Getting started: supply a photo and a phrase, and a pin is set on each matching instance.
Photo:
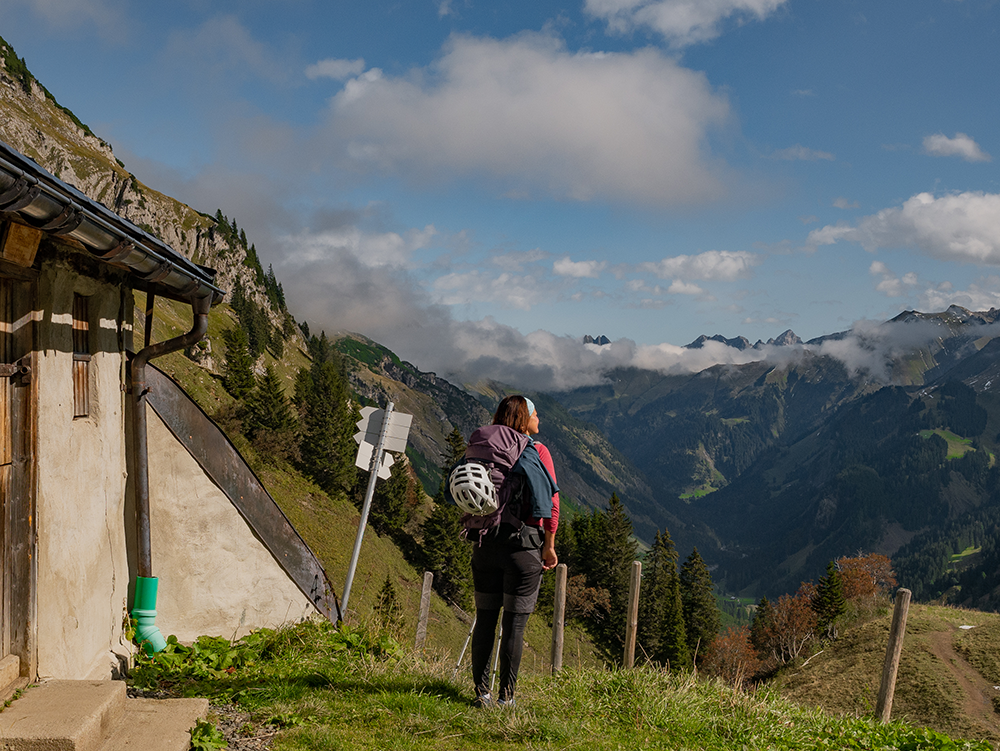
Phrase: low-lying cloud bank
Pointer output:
(334, 290)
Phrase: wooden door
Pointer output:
(6, 448)
(17, 480)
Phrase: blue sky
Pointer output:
(478, 185)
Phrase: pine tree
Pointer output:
(612, 549)
(456, 450)
(388, 612)
(828, 602)
(328, 420)
(701, 613)
(652, 596)
(671, 643)
(390, 509)
(238, 377)
(760, 628)
(447, 554)
(268, 418)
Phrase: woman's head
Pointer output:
(518, 413)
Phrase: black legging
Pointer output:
(511, 648)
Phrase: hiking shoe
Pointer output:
(482, 701)
(506, 703)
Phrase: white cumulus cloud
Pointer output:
(712, 265)
(961, 146)
(956, 227)
(578, 269)
(537, 119)
(681, 22)
(335, 68)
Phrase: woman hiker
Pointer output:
(513, 545)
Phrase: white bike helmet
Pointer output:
(473, 490)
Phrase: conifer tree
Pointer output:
(268, 418)
(673, 649)
(652, 596)
(387, 608)
(328, 419)
(612, 549)
(701, 613)
(828, 602)
(238, 377)
(390, 507)
(454, 452)
(447, 554)
(760, 627)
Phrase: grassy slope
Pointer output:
(319, 688)
(844, 678)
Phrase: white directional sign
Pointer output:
(364, 460)
(376, 435)
(370, 425)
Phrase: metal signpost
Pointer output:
(378, 431)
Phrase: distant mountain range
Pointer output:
(741, 342)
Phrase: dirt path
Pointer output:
(977, 691)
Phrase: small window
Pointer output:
(81, 356)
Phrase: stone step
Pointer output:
(156, 725)
(96, 716)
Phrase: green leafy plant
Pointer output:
(205, 736)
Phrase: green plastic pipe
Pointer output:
(144, 612)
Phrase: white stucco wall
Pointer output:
(215, 576)
(82, 566)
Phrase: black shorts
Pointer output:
(505, 576)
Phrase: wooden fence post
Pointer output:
(892, 651)
(633, 613)
(559, 618)
(425, 609)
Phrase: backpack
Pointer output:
(481, 483)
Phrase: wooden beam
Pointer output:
(20, 243)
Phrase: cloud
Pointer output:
(955, 227)
(224, 47)
(713, 265)
(678, 287)
(518, 260)
(890, 284)
(961, 146)
(509, 290)
(336, 290)
(372, 249)
(536, 120)
(681, 22)
(108, 17)
(983, 295)
(578, 269)
(844, 203)
(335, 68)
(799, 153)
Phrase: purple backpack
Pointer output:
(498, 447)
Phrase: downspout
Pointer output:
(144, 607)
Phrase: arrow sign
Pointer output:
(370, 427)
(364, 460)
(379, 431)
